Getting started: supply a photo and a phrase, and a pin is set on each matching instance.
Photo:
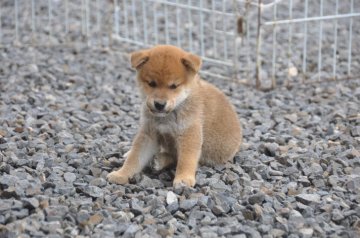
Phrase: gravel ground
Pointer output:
(67, 115)
(67, 119)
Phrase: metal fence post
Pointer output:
(258, 44)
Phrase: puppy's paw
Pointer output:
(117, 177)
(181, 181)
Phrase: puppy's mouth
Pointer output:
(157, 113)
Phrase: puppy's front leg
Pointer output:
(189, 151)
(142, 150)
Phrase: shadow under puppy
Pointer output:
(184, 119)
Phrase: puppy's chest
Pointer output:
(170, 125)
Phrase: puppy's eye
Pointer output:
(152, 84)
(173, 86)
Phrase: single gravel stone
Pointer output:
(206, 232)
(82, 217)
(56, 213)
(204, 201)
(173, 207)
(306, 232)
(315, 168)
(223, 231)
(333, 180)
(256, 198)
(352, 153)
(355, 131)
(131, 231)
(219, 210)
(171, 198)
(308, 198)
(65, 190)
(136, 209)
(291, 117)
(147, 182)
(304, 181)
(250, 231)
(336, 215)
(296, 219)
(239, 236)
(30, 203)
(69, 177)
(187, 204)
(50, 227)
(93, 191)
(8, 180)
(5, 205)
(98, 182)
(353, 184)
(264, 228)
(20, 214)
(268, 149)
(277, 232)
(223, 203)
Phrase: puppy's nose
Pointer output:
(159, 105)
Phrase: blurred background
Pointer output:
(263, 43)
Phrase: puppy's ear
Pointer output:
(191, 62)
(139, 58)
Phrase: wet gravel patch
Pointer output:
(68, 115)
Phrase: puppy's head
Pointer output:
(165, 76)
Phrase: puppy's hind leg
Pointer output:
(142, 151)
(162, 161)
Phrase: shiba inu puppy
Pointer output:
(184, 119)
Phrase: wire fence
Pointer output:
(266, 43)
